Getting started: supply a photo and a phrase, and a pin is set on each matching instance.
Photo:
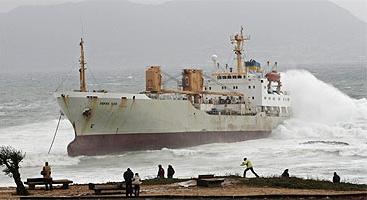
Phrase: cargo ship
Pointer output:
(231, 104)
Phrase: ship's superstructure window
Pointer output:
(219, 77)
(239, 76)
(224, 77)
(229, 77)
(210, 88)
(234, 77)
(249, 87)
(253, 87)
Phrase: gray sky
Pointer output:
(356, 7)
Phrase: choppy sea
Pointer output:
(327, 133)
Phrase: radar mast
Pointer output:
(238, 41)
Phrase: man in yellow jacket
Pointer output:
(248, 165)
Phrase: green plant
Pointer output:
(11, 158)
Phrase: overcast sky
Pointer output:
(356, 7)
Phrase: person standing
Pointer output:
(128, 176)
(160, 172)
(336, 178)
(136, 182)
(46, 173)
(170, 171)
(249, 166)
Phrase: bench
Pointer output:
(98, 188)
(208, 180)
(32, 182)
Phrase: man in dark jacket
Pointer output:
(336, 178)
(285, 174)
(160, 172)
(128, 176)
(170, 171)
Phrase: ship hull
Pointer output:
(113, 143)
(106, 123)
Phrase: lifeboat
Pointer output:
(273, 76)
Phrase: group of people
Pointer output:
(170, 171)
(248, 166)
(133, 182)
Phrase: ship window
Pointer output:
(229, 77)
(262, 81)
(224, 77)
(265, 98)
(210, 88)
(253, 87)
(204, 88)
(234, 77)
(249, 87)
(239, 77)
(253, 97)
(219, 77)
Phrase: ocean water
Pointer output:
(327, 133)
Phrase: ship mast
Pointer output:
(238, 41)
(83, 86)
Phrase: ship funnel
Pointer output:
(153, 79)
(192, 80)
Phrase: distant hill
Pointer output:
(121, 34)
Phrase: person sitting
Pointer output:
(136, 182)
(285, 174)
(170, 171)
(336, 178)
